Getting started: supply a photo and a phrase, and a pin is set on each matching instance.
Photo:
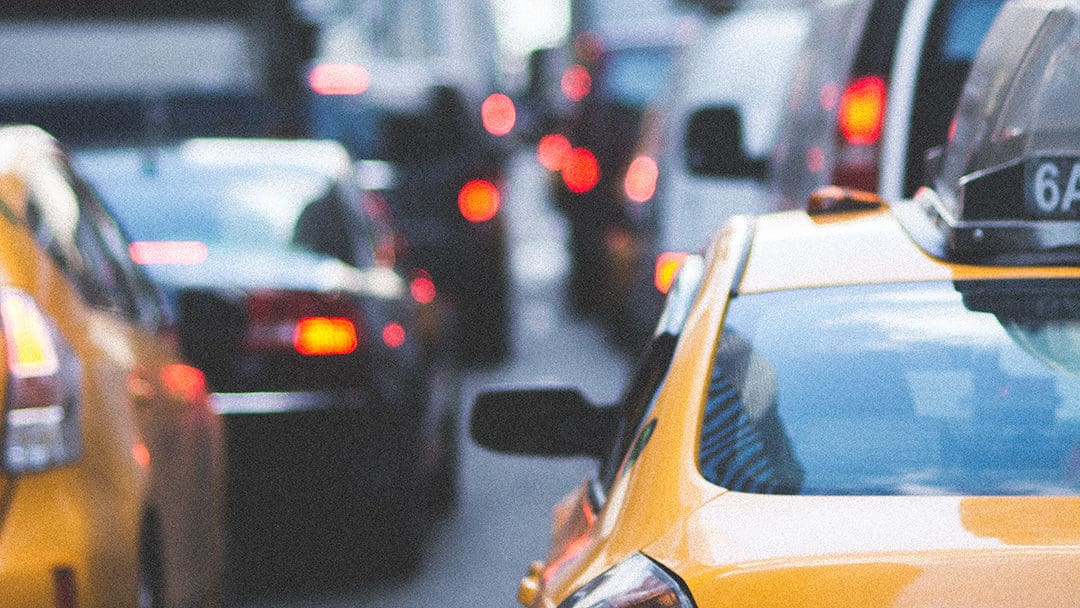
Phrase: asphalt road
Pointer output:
(477, 556)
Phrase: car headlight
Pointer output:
(636, 582)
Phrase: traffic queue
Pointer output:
(863, 402)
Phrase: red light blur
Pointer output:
(393, 335)
(184, 382)
(141, 455)
(498, 114)
(422, 288)
(862, 110)
(640, 182)
(478, 200)
(667, 266)
(581, 171)
(180, 253)
(315, 336)
(338, 79)
(815, 159)
(588, 45)
(829, 96)
(552, 151)
(576, 83)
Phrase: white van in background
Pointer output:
(703, 156)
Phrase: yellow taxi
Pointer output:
(860, 404)
(110, 489)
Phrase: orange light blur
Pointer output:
(552, 151)
(576, 82)
(338, 79)
(498, 114)
(422, 288)
(478, 200)
(640, 182)
(862, 110)
(184, 382)
(667, 266)
(315, 336)
(141, 455)
(393, 334)
(180, 253)
(581, 171)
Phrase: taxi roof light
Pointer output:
(1006, 189)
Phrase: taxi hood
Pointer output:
(762, 550)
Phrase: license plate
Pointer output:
(1052, 188)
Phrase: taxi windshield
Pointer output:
(931, 388)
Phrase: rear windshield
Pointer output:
(637, 77)
(937, 388)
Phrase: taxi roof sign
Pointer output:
(1007, 188)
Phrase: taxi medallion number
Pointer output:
(1052, 188)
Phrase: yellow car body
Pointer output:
(744, 549)
(133, 515)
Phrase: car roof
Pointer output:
(792, 250)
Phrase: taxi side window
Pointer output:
(956, 32)
(652, 368)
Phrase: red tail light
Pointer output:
(184, 253)
(41, 425)
(313, 336)
(422, 287)
(338, 79)
(667, 265)
(393, 334)
(581, 172)
(309, 324)
(640, 182)
(862, 110)
(576, 83)
(498, 114)
(478, 200)
(552, 151)
(184, 383)
(860, 120)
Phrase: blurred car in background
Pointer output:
(339, 400)
(113, 469)
(874, 90)
(860, 404)
(703, 150)
(415, 83)
(611, 83)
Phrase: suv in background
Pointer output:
(874, 90)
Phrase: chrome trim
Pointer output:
(284, 402)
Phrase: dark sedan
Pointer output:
(339, 403)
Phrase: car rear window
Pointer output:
(936, 388)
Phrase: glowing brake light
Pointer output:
(667, 266)
(498, 114)
(338, 79)
(422, 288)
(581, 171)
(478, 200)
(576, 83)
(640, 182)
(184, 383)
(181, 253)
(314, 336)
(552, 151)
(41, 408)
(862, 110)
(393, 334)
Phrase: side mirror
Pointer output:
(713, 145)
(542, 422)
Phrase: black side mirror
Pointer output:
(713, 145)
(542, 422)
